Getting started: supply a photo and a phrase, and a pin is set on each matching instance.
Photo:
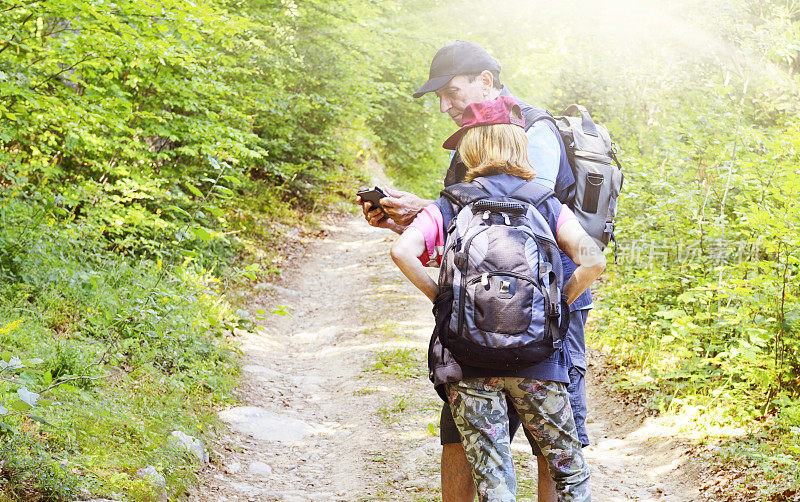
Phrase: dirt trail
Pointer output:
(324, 420)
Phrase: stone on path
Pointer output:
(190, 444)
(158, 482)
(233, 467)
(265, 425)
(246, 488)
(259, 469)
(301, 496)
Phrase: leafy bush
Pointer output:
(34, 466)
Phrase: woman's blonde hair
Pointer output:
(495, 149)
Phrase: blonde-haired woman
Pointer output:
(493, 145)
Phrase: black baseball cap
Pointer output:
(459, 58)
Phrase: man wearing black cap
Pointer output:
(462, 73)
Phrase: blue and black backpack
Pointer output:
(503, 267)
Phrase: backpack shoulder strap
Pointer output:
(464, 193)
(531, 192)
(533, 115)
(458, 196)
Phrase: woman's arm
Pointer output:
(576, 243)
(406, 251)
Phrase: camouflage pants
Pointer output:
(481, 415)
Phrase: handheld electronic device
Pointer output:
(373, 195)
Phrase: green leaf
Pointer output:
(202, 234)
(48, 378)
(194, 190)
(179, 210)
(431, 428)
(214, 210)
(282, 310)
(69, 388)
(20, 405)
(41, 420)
(245, 324)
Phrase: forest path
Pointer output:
(323, 420)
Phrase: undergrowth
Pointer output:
(684, 353)
(112, 339)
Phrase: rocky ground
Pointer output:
(336, 405)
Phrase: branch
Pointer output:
(72, 379)
(722, 216)
(21, 24)
(99, 361)
(54, 75)
(34, 2)
(735, 147)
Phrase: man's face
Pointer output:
(455, 95)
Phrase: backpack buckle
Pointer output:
(460, 260)
(555, 311)
(506, 219)
(505, 287)
(486, 215)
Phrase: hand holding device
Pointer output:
(373, 196)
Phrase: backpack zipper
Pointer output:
(510, 274)
(463, 293)
(596, 157)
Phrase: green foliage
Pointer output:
(33, 466)
(387, 413)
(700, 313)
(409, 131)
(124, 353)
(767, 460)
(152, 159)
(399, 362)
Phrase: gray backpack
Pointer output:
(598, 174)
(503, 266)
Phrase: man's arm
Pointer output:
(576, 243)
(403, 207)
(399, 210)
(544, 153)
